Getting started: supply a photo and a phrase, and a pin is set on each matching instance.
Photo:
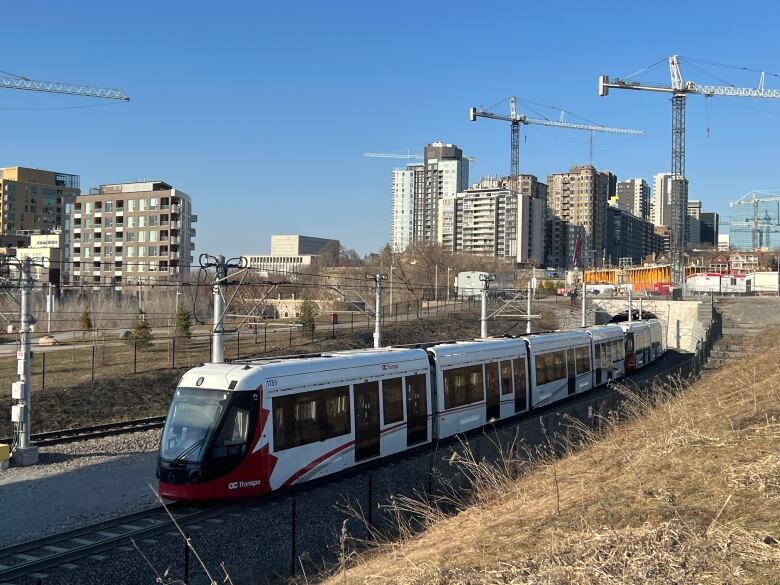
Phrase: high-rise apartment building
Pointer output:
(128, 233)
(694, 222)
(634, 195)
(630, 236)
(662, 199)
(487, 219)
(417, 190)
(579, 198)
(404, 184)
(34, 200)
(710, 221)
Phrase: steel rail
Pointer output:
(94, 431)
(23, 559)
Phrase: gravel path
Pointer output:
(77, 484)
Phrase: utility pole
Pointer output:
(486, 279)
(391, 287)
(377, 278)
(584, 295)
(436, 283)
(24, 452)
(49, 306)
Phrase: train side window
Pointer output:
(392, 400)
(506, 377)
(541, 369)
(597, 356)
(560, 365)
(520, 388)
(308, 417)
(463, 386)
(582, 356)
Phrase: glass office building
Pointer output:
(755, 221)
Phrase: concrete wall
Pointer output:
(693, 317)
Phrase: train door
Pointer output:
(366, 420)
(571, 369)
(521, 391)
(416, 410)
(492, 393)
(597, 348)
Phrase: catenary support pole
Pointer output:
(25, 453)
(630, 310)
(584, 295)
(217, 340)
(528, 308)
(49, 306)
(485, 279)
(640, 308)
(377, 278)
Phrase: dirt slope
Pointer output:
(687, 493)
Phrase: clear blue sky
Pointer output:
(260, 111)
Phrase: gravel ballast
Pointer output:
(79, 483)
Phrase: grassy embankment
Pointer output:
(687, 490)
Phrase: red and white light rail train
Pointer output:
(247, 428)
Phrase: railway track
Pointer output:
(34, 558)
(93, 432)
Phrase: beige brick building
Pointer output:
(34, 200)
(125, 233)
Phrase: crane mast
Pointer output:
(680, 89)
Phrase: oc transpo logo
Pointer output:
(389, 366)
(234, 485)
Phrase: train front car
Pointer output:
(637, 344)
(208, 448)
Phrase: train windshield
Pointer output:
(194, 415)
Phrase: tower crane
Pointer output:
(679, 199)
(516, 119)
(23, 83)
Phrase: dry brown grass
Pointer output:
(686, 491)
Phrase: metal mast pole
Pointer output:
(24, 453)
(485, 278)
(436, 284)
(584, 294)
(679, 199)
(528, 308)
(630, 311)
(391, 288)
(217, 341)
(49, 307)
(377, 278)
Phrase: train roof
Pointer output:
(463, 352)
(557, 339)
(605, 332)
(634, 326)
(249, 374)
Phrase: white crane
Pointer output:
(679, 90)
(516, 119)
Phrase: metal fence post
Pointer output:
(43, 372)
(93, 362)
(265, 337)
(173, 353)
(186, 560)
(293, 523)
